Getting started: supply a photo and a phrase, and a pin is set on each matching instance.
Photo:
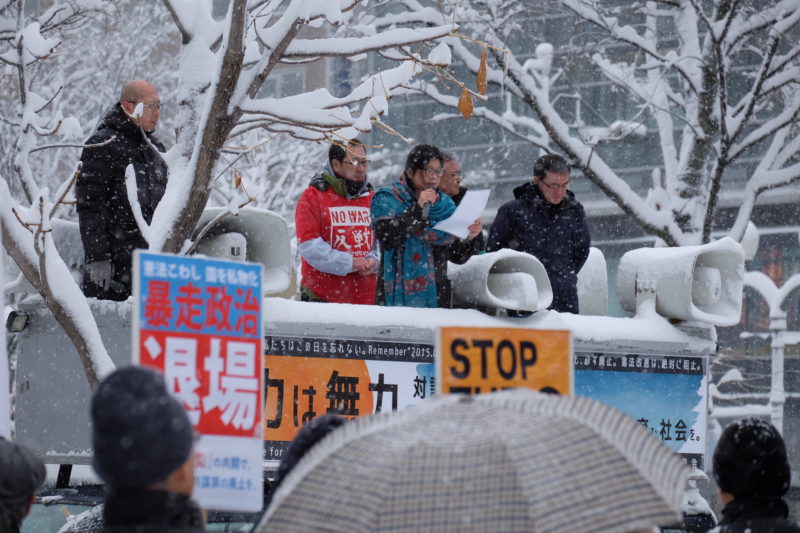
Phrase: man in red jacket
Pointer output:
(334, 231)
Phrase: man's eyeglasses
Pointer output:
(431, 172)
(555, 186)
(456, 175)
(156, 106)
(357, 162)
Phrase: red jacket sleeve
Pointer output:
(307, 216)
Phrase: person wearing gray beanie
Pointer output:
(143, 440)
(21, 473)
(752, 474)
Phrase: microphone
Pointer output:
(426, 207)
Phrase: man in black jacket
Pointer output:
(545, 220)
(752, 474)
(109, 229)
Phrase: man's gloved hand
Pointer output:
(100, 273)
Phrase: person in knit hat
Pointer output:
(752, 474)
(143, 441)
(21, 473)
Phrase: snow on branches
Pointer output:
(221, 69)
(225, 64)
(712, 86)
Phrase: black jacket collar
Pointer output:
(142, 507)
(738, 510)
(530, 192)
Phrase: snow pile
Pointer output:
(590, 331)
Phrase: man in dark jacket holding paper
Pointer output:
(108, 226)
(545, 220)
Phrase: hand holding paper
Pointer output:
(475, 228)
(465, 215)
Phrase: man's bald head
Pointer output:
(139, 91)
(135, 90)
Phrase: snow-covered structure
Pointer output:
(653, 365)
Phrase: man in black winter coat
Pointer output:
(752, 474)
(545, 220)
(109, 229)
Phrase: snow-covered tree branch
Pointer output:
(238, 55)
(714, 82)
(220, 70)
(26, 226)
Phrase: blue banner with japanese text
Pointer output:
(199, 322)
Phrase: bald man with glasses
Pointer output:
(109, 231)
(547, 221)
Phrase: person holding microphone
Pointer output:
(414, 256)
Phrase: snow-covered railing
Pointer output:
(776, 299)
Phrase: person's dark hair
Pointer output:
(305, 439)
(549, 163)
(338, 149)
(447, 156)
(12, 515)
(421, 155)
(750, 461)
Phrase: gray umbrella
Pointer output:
(510, 461)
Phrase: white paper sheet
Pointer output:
(470, 208)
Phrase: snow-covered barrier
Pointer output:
(701, 283)
(506, 279)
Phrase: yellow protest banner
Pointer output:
(475, 360)
(299, 389)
